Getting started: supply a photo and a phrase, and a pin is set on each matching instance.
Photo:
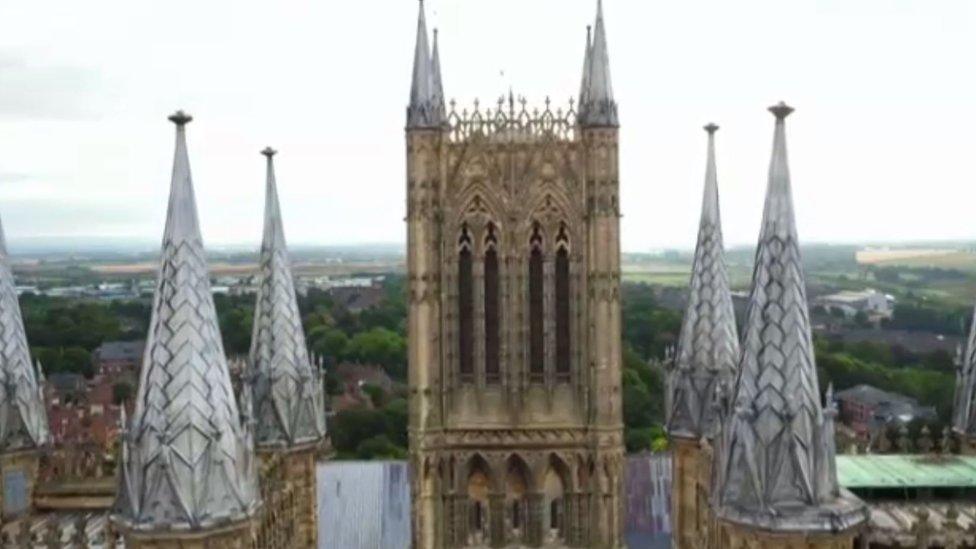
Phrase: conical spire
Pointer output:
(187, 461)
(964, 407)
(423, 111)
(585, 81)
(23, 417)
(708, 346)
(598, 108)
(436, 84)
(287, 392)
(776, 453)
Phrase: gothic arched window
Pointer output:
(537, 353)
(492, 373)
(465, 307)
(562, 305)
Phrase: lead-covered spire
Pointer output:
(964, 406)
(187, 460)
(424, 109)
(777, 458)
(436, 84)
(708, 345)
(598, 108)
(23, 417)
(287, 394)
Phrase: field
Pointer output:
(940, 259)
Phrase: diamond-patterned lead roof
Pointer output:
(187, 461)
(776, 458)
(23, 417)
(287, 393)
(708, 346)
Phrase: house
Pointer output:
(358, 298)
(117, 357)
(872, 303)
(865, 408)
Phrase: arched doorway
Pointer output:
(479, 483)
(516, 499)
(554, 500)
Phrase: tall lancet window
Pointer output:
(562, 304)
(537, 339)
(492, 373)
(465, 307)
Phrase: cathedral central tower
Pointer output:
(514, 326)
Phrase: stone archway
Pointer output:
(477, 489)
(556, 483)
(517, 488)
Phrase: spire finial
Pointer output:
(781, 110)
(180, 118)
(269, 152)
(711, 128)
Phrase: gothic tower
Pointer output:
(708, 348)
(514, 321)
(964, 407)
(188, 470)
(23, 417)
(286, 391)
(776, 479)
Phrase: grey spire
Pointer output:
(287, 392)
(423, 110)
(708, 346)
(585, 81)
(598, 108)
(23, 417)
(777, 449)
(187, 461)
(964, 407)
(436, 84)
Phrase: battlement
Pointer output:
(512, 121)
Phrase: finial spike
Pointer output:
(781, 110)
(269, 152)
(180, 118)
(711, 128)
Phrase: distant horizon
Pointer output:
(119, 244)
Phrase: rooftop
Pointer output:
(906, 471)
(867, 394)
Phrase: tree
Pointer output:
(121, 392)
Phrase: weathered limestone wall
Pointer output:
(16, 464)
(734, 536)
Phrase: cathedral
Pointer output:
(513, 256)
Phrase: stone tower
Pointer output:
(188, 469)
(707, 352)
(964, 406)
(514, 321)
(286, 391)
(776, 479)
(23, 417)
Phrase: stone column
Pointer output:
(496, 515)
(684, 493)
(534, 522)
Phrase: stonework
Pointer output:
(514, 325)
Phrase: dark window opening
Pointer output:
(465, 308)
(492, 372)
(537, 354)
(562, 308)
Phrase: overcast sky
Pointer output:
(880, 146)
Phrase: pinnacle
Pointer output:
(180, 118)
(781, 110)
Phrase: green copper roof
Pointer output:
(906, 471)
